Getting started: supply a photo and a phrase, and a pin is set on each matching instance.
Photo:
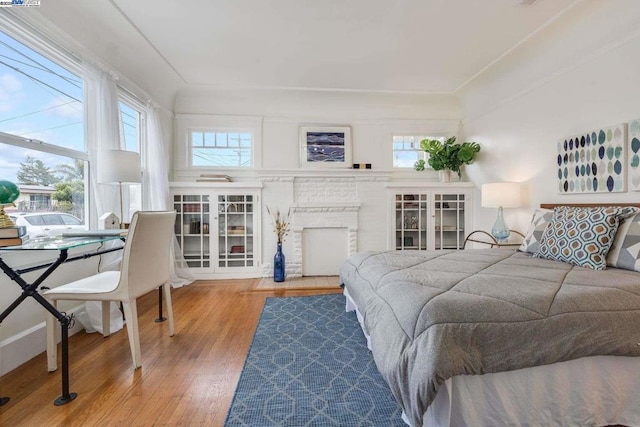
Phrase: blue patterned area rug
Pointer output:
(309, 366)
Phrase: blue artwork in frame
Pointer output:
(325, 146)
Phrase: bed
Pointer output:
(500, 337)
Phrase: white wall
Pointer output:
(374, 117)
(580, 73)
(275, 117)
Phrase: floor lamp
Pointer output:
(501, 195)
(119, 167)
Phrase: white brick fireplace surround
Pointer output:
(321, 215)
(348, 211)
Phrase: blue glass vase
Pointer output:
(500, 230)
(278, 265)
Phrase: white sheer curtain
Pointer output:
(103, 133)
(155, 188)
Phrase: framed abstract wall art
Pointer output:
(593, 162)
(634, 155)
(325, 146)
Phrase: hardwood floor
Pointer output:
(187, 379)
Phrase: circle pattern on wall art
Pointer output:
(594, 161)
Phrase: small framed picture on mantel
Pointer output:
(325, 146)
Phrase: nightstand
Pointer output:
(480, 236)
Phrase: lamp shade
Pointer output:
(505, 194)
(118, 166)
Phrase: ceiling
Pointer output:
(362, 45)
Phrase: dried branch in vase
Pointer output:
(280, 223)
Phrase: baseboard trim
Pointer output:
(20, 348)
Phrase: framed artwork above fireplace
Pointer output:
(325, 146)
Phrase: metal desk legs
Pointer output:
(31, 290)
(66, 396)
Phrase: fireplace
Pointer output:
(322, 225)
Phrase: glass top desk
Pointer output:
(62, 245)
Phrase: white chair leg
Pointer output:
(167, 300)
(131, 314)
(52, 342)
(106, 318)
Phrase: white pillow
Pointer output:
(531, 242)
(625, 251)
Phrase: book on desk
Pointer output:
(13, 241)
(13, 232)
(13, 236)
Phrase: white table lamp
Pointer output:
(501, 195)
(118, 167)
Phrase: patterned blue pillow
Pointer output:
(581, 236)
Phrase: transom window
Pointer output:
(407, 151)
(221, 149)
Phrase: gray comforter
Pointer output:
(434, 315)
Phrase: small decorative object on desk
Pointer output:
(9, 193)
(281, 227)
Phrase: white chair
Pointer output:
(145, 267)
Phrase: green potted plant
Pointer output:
(447, 156)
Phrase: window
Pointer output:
(407, 151)
(42, 145)
(130, 119)
(37, 202)
(51, 219)
(69, 220)
(221, 149)
(34, 220)
(39, 198)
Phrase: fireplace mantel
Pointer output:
(325, 206)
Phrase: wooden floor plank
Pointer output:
(188, 379)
